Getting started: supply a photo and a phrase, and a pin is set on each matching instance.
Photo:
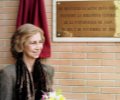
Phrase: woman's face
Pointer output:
(33, 46)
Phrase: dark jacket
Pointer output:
(8, 81)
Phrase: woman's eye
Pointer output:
(40, 42)
(32, 42)
(35, 42)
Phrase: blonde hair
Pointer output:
(21, 35)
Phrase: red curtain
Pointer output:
(33, 11)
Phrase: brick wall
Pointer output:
(84, 71)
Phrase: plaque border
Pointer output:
(77, 39)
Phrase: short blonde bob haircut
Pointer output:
(21, 35)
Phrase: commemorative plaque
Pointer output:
(87, 19)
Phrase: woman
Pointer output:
(27, 79)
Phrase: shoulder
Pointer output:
(48, 69)
(7, 82)
(8, 70)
